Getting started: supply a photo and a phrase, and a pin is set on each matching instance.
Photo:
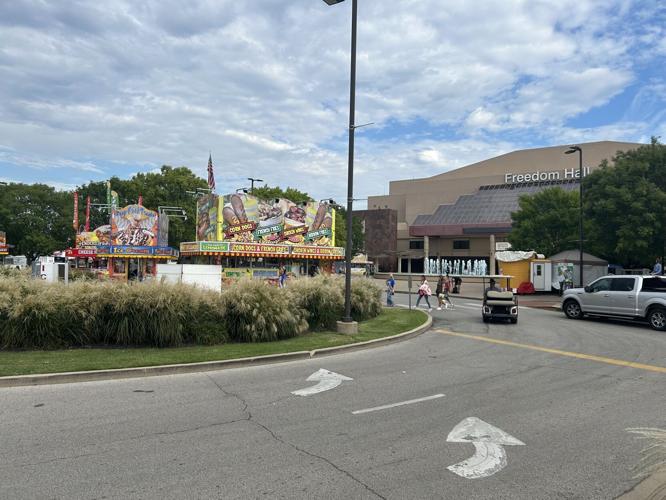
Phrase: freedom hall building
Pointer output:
(466, 212)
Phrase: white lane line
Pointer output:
(402, 403)
(460, 306)
(476, 305)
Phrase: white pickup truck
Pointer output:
(636, 297)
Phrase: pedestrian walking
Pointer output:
(439, 292)
(446, 289)
(283, 277)
(390, 290)
(424, 292)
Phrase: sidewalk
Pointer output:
(474, 291)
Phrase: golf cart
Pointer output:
(498, 304)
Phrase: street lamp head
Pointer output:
(572, 149)
(333, 2)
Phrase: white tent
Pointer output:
(593, 267)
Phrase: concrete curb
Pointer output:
(151, 371)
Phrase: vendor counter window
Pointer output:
(461, 244)
(118, 266)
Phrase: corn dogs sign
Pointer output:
(242, 218)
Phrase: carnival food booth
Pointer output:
(250, 237)
(84, 255)
(139, 240)
(127, 249)
(4, 248)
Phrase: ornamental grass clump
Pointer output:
(35, 314)
(161, 315)
(257, 312)
(47, 316)
(320, 297)
(366, 299)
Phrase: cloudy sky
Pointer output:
(93, 89)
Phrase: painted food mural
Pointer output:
(207, 218)
(246, 218)
(134, 225)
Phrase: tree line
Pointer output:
(38, 219)
(624, 211)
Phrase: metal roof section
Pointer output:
(484, 212)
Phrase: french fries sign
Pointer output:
(243, 218)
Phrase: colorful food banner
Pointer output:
(136, 251)
(258, 248)
(91, 239)
(207, 218)
(298, 251)
(81, 252)
(230, 248)
(247, 219)
(134, 225)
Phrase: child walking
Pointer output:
(424, 292)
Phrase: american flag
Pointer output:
(211, 177)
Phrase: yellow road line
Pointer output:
(589, 357)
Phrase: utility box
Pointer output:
(50, 269)
(541, 274)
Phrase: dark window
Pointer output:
(654, 285)
(602, 285)
(416, 244)
(622, 284)
(417, 266)
(461, 244)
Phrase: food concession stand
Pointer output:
(250, 237)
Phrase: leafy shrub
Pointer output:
(321, 298)
(257, 312)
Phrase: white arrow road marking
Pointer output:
(327, 381)
(488, 441)
(411, 401)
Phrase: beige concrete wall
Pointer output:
(422, 196)
(479, 246)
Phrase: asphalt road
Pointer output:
(241, 433)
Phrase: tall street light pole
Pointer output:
(252, 181)
(348, 325)
(574, 149)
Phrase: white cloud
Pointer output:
(265, 85)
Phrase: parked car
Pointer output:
(634, 297)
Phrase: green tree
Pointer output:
(625, 206)
(358, 236)
(546, 221)
(168, 187)
(291, 194)
(37, 218)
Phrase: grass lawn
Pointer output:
(389, 322)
